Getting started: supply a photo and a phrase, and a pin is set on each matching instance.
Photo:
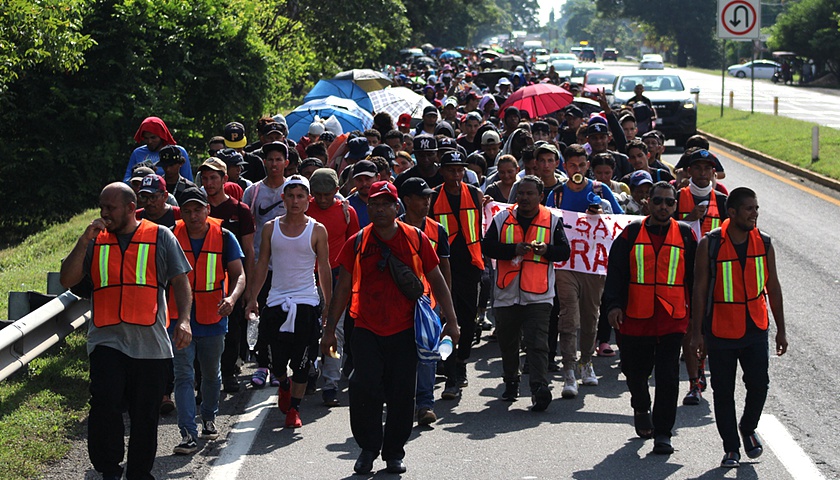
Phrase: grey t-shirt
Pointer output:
(138, 341)
(267, 205)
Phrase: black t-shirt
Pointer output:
(459, 254)
(433, 181)
(255, 170)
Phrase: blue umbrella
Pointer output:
(340, 89)
(449, 54)
(347, 112)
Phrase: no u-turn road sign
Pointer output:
(739, 19)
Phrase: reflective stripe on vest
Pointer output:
(533, 270)
(739, 290)
(686, 205)
(411, 233)
(207, 277)
(125, 287)
(469, 220)
(657, 276)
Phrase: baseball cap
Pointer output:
(309, 162)
(653, 134)
(170, 155)
(193, 194)
(153, 183)
(271, 127)
(574, 111)
(415, 186)
(214, 163)
(597, 129)
(358, 148)
(139, 172)
(474, 116)
(444, 128)
(366, 168)
(276, 146)
(235, 135)
(640, 177)
(425, 143)
(451, 101)
(383, 188)
(490, 137)
(547, 147)
(702, 156)
(385, 152)
(430, 110)
(296, 180)
(404, 120)
(453, 158)
(504, 81)
(446, 144)
(323, 180)
(540, 126)
(231, 157)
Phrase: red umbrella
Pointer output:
(538, 100)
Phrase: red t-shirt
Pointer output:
(384, 310)
(338, 229)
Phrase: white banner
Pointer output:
(590, 236)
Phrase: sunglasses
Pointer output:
(668, 201)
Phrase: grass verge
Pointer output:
(40, 409)
(780, 137)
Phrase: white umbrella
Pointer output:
(366, 78)
(398, 100)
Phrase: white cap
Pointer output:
(296, 180)
(316, 128)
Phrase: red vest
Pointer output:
(207, 276)
(657, 276)
(738, 290)
(468, 215)
(125, 285)
(686, 204)
(533, 270)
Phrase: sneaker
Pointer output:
(540, 398)
(511, 392)
(553, 366)
(259, 378)
(570, 389)
(426, 416)
(485, 324)
(461, 374)
(187, 445)
(230, 384)
(694, 394)
(167, 406)
(293, 419)
(701, 375)
(587, 374)
(209, 431)
(451, 392)
(330, 398)
(284, 399)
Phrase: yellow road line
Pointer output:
(780, 178)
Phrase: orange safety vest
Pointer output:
(738, 290)
(660, 275)
(533, 270)
(125, 284)
(686, 204)
(469, 220)
(413, 236)
(207, 277)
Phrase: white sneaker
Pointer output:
(587, 374)
(570, 389)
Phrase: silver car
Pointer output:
(763, 69)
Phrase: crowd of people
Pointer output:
(309, 235)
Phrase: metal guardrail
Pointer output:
(27, 338)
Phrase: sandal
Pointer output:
(259, 378)
(643, 424)
(753, 446)
(731, 460)
(273, 380)
(604, 350)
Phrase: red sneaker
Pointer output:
(293, 419)
(284, 399)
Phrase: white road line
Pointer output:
(242, 436)
(794, 459)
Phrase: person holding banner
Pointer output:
(649, 281)
(525, 239)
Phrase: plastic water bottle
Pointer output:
(445, 348)
(253, 330)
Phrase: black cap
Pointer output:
(574, 111)
(357, 148)
(425, 143)
(231, 157)
(430, 109)
(447, 144)
(276, 146)
(444, 128)
(192, 194)
(540, 126)
(271, 127)
(384, 151)
(453, 158)
(415, 186)
(702, 156)
(309, 162)
(365, 167)
(597, 128)
(170, 155)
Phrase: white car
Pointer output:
(563, 67)
(569, 57)
(763, 69)
(652, 61)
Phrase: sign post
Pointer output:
(739, 20)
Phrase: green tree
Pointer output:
(452, 22)
(810, 28)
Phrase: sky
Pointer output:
(545, 9)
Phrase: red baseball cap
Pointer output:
(404, 120)
(383, 188)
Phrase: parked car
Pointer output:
(609, 54)
(595, 80)
(652, 61)
(763, 69)
(676, 112)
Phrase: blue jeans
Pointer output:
(209, 353)
(425, 396)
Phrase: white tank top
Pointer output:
(293, 262)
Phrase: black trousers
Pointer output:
(639, 357)
(384, 372)
(723, 364)
(118, 383)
